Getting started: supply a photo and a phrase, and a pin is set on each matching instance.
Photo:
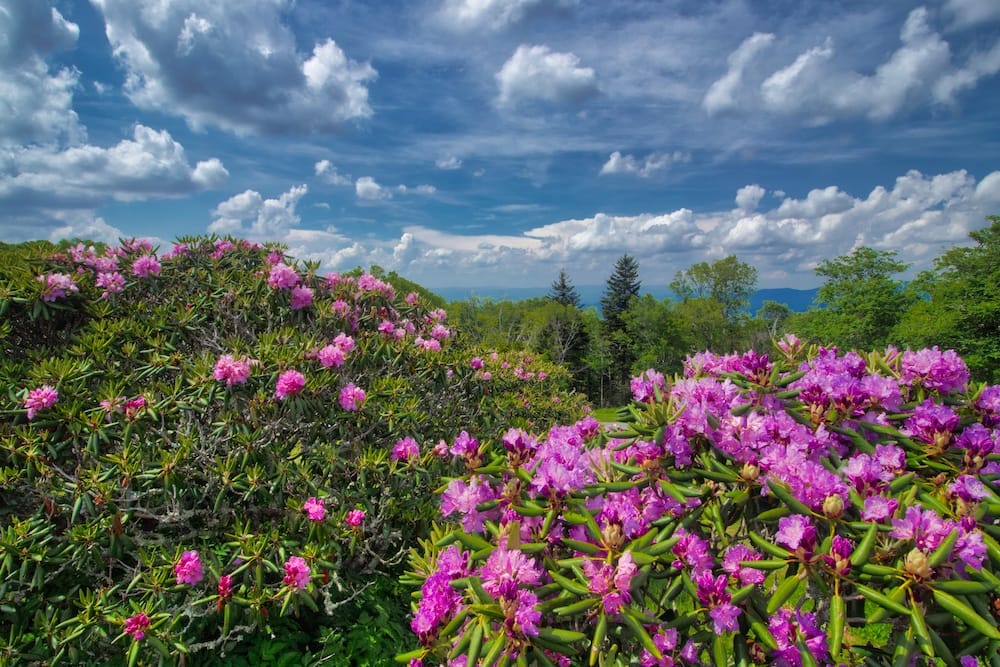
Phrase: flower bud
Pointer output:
(916, 565)
(750, 472)
(833, 506)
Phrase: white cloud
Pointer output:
(36, 102)
(988, 190)
(723, 95)
(496, 14)
(366, 188)
(329, 173)
(967, 13)
(538, 73)
(749, 196)
(979, 65)
(628, 164)
(87, 227)
(249, 214)
(819, 86)
(917, 216)
(449, 162)
(150, 165)
(233, 64)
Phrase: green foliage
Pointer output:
(958, 304)
(729, 281)
(146, 454)
(860, 302)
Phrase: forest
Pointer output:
(863, 303)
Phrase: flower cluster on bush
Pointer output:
(818, 509)
(196, 452)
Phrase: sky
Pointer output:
(495, 142)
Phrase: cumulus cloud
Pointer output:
(328, 172)
(367, 188)
(818, 86)
(917, 215)
(36, 102)
(249, 214)
(629, 164)
(497, 14)
(449, 162)
(749, 196)
(151, 164)
(724, 94)
(536, 73)
(233, 64)
(967, 13)
(88, 227)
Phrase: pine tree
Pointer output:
(563, 291)
(622, 286)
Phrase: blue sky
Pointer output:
(493, 142)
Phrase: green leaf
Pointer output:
(966, 614)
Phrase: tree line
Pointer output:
(862, 304)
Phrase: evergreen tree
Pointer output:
(563, 292)
(623, 284)
(622, 288)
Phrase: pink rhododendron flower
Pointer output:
(405, 449)
(137, 626)
(302, 297)
(297, 573)
(231, 370)
(934, 369)
(331, 356)
(56, 286)
(282, 276)
(352, 397)
(188, 568)
(476, 363)
(354, 518)
(290, 383)
(225, 588)
(145, 266)
(39, 399)
(314, 509)
(112, 282)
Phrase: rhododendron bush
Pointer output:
(815, 509)
(200, 446)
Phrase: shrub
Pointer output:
(823, 508)
(195, 455)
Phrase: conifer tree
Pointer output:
(623, 284)
(563, 291)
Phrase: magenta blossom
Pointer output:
(405, 449)
(137, 626)
(225, 587)
(352, 397)
(145, 266)
(290, 383)
(505, 570)
(232, 371)
(56, 286)
(282, 276)
(188, 568)
(296, 573)
(111, 282)
(354, 518)
(40, 398)
(314, 509)
(302, 297)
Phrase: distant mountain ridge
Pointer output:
(797, 300)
